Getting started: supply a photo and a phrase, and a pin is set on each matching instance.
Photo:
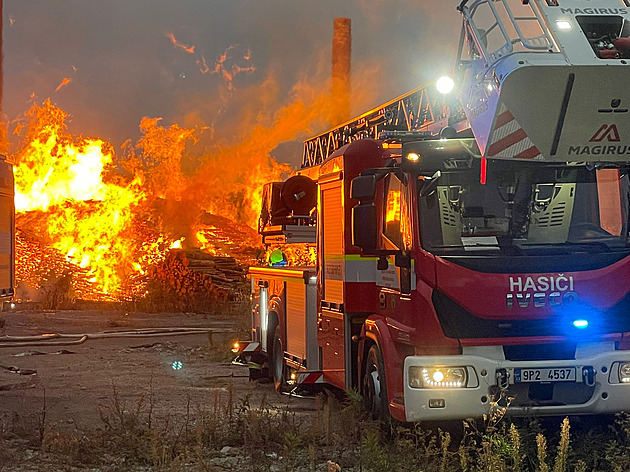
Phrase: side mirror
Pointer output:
(364, 231)
(430, 185)
(363, 188)
(364, 219)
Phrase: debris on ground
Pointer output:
(39, 353)
(17, 370)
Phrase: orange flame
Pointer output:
(110, 218)
(203, 65)
(63, 83)
(86, 218)
(185, 47)
(227, 66)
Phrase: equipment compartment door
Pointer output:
(331, 340)
(331, 221)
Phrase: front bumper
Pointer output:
(601, 392)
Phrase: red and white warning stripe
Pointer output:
(310, 378)
(509, 140)
(248, 346)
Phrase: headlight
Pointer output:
(438, 377)
(413, 157)
(624, 372)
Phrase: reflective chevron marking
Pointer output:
(509, 139)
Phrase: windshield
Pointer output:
(526, 209)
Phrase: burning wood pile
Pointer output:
(133, 228)
(174, 279)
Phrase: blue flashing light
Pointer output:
(177, 365)
(580, 324)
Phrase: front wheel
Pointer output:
(375, 386)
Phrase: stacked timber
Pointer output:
(194, 280)
(224, 271)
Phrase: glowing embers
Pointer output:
(437, 377)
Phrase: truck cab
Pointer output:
(518, 286)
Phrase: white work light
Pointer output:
(563, 25)
(445, 85)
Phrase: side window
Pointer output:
(396, 220)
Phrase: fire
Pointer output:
(105, 220)
(185, 47)
(60, 179)
(229, 64)
(203, 65)
(50, 172)
(63, 83)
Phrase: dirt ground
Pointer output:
(69, 385)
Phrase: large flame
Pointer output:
(88, 220)
(109, 218)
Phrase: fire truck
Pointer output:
(471, 246)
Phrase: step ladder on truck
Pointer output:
(472, 246)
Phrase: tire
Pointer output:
(277, 368)
(375, 386)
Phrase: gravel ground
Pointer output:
(68, 388)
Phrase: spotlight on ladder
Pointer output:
(445, 85)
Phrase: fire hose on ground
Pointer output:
(57, 339)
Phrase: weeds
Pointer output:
(563, 448)
(227, 433)
(541, 444)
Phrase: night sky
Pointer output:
(204, 63)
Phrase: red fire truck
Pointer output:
(469, 248)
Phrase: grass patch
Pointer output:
(226, 433)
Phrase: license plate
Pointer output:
(549, 374)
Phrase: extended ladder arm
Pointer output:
(422, 109)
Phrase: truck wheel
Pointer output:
(277, 361)
(375, 386)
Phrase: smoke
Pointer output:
(209, 100)
(241, 82)
(128, 64)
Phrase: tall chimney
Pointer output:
(341, 58)
(1, 55)
(3, 131)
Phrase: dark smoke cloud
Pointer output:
(121, 64)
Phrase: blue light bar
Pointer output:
(581, 324)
